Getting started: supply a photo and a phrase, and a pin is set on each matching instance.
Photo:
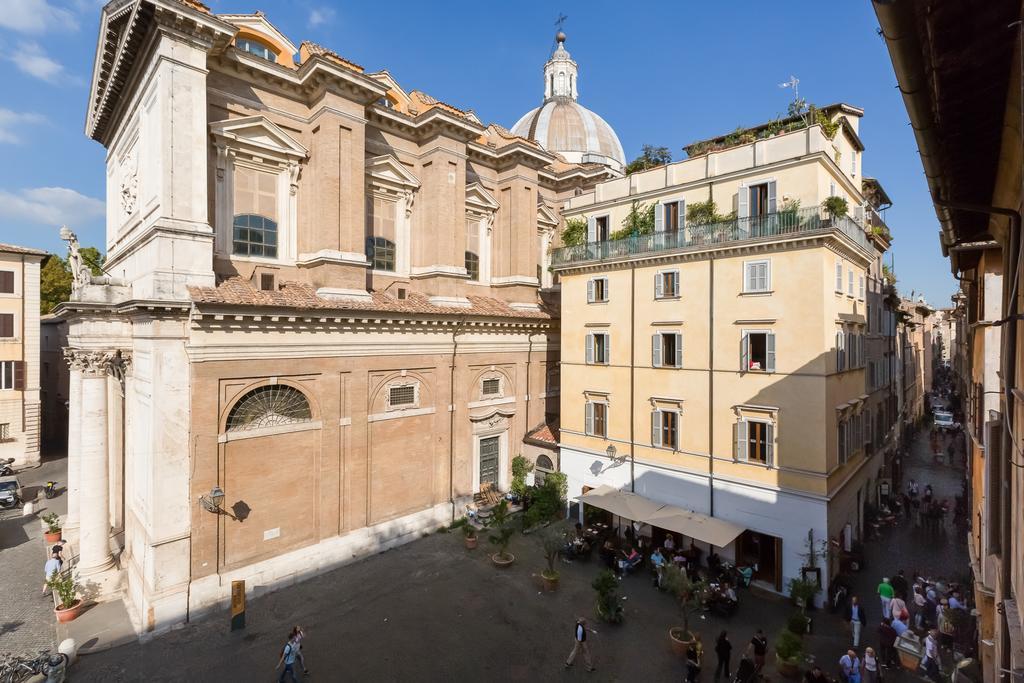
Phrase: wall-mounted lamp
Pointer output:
(611, 451)
(214, 501)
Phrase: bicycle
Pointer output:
(16, 668)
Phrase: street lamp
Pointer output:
(611, 451)
(214, 501)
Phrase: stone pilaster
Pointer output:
(75, 363)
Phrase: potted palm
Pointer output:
(551, 542)
(53, 528)
(690, 595)
(68, 604)
(609, 604)
(835, 207)
(500, 525)
(469, 535)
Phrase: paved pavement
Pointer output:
(432, 611)
(27, 624)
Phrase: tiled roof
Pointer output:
(15, 249)
(312, 49)
(545, 433)
(425, 102)
(236, 291)
(196, 5)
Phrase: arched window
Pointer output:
(561, 83)
(254, 235)
(473, 266)
(269, 406)
(541, 469)
(255, 47)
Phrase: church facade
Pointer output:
(328, 320)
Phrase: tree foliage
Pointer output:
(650, 157)
(55, 277)
(575, 232)
(702, 213)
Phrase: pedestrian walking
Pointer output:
(723, 651)
(885, 592)
(288, 655)
(296, 637)
(920, 604)
(51, 569)
(930, 663)
(759, 646)
(856, 617)
(900, 585)
(693, 658)
(816, 675)
(849, 667)
(579, 644)
(887, 643)
(870, 672)
(898, 610)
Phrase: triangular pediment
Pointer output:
(478, 197)
(389, 170)
(546, 216)
(395, 91)
(260, 133)
(261, 26)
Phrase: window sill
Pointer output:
(758, 372)
(677, 297)
(596, 436)
(666, 367)
(763, 292)
(269, 260)
(597, 302)
(755, 463)
(598, 365)
(670, 449)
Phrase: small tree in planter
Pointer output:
(468, 531)
(835, 207)
(520, 468)
(547, 501)
(802, 591)
(501, 529)
(53, 528)
(789, 651)
(64, 586)
(609, 604)
(690, 595)
(551, 542)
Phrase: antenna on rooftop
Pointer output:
(793, 83)
(797, 106)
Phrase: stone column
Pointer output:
(73, 358)
(94, 512)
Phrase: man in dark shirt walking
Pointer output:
(579, 643)
(759, 645)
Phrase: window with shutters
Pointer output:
(861, 296)
(839, 277)
(671, 217)
(665, 429)
(598, 348)
(597, 229)
(472, 256)
(6, 325)
(666, 284)
(6, 282)
(755, 441)
(759, 200)
(843, 441)
(596, 418)
(757, 353)
(5, 431)
(491, 387)
(667, 350)
(757, 276)
(840, 350)
(849, 286)
(597, 290)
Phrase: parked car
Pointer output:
(944, 420)
(10, 492)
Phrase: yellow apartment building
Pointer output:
(726, 361)
(19, 353)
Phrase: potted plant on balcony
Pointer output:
(690, 596)
(500, 526)
(609, 604)
(551, 542)
(68, 605)
(835, 207)
(53, 528)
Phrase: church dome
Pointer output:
(563, 125)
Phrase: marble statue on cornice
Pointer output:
(81, 275)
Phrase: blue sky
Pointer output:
(659, 73)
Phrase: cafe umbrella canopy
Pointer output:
(712, 530)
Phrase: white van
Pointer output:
(944, 420)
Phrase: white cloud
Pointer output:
(36, 16)
(50, 206)
(12, 124)
(32, 60)
(318, 16)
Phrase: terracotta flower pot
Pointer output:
(470, 542)
(65, 615)
(52, 538)
(501, 561)
(787, 668)
(681, 640)
(550, 580)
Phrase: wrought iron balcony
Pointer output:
(693, 237)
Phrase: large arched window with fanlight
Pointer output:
(272, 405)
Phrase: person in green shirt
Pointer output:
(885, 592)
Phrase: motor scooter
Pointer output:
(50, 490)
(6, 467)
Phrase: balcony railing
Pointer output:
(695, 237)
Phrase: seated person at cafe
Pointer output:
(657, 559)
(729, 592)
(678, 559)
(608, 554)
(629, 560)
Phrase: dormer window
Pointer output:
(255, 47)
(386, 102)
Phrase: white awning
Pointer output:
(637, 508)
